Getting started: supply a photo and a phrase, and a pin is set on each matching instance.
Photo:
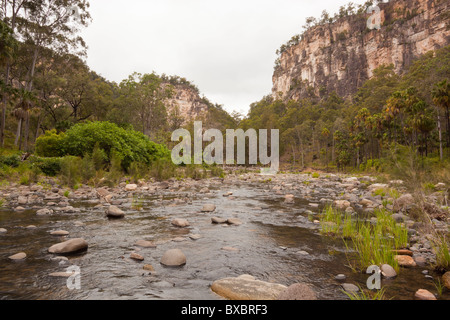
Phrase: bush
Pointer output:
(87, 169)
(10, 161)
(71, 170)
(162, 169)
(48, 166)
(130, 145)
(51, 144)
(100, 139)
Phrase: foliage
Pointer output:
(100, 139)
(51, 144)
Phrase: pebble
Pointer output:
(340, 277)
(3, 230)
(59, 233)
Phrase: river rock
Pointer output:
(234, 221)
(149, 267)
(423, 294)
(59, 233)
(131, 187)
(405, 261)
(44, 212)
(145, 244)
(181, 223)
(446, 280)
(115, 212)
(403, 203)
(342, 204)
(3, 230)
(22, 200)
(69, 246)
(298, 291)
(18, 256)
(247, 289)
(289, 198)
(387, 271)
(173, 258)
(136, 256)
(349, 287)
(102, 193)
(61, 274)
(217, 220)
(208, 208)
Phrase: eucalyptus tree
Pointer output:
(50, 24)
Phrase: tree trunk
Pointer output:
(4, 104)
(441, 153)
(18, 133)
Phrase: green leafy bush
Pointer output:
(11, 160)
(51, 144)
(48, 166)
(100, 139)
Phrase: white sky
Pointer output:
(226, 48)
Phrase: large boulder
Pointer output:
(298, 291)
(246, 288)
(69, 246)
(173, 258)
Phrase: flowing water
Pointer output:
(269, 241)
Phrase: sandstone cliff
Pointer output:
(340, 56)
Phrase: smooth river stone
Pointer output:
(69, 246)
(173, 258)
(60, 233)
(18, 256)
(244, 288)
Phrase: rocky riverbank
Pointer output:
(192, 208)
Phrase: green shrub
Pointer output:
(51, 144)
(70, 171)
(130, 145)
(87, 168)
(138, 171)
(162, 169)
(48, 166)
(99, 157)
(10, 161)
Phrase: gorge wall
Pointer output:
(340, 56)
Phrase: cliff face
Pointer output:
(189, 103)
(342, 55)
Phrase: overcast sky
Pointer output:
(226, 48)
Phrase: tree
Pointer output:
(50, 24)
(441, 98)
(8, 47)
